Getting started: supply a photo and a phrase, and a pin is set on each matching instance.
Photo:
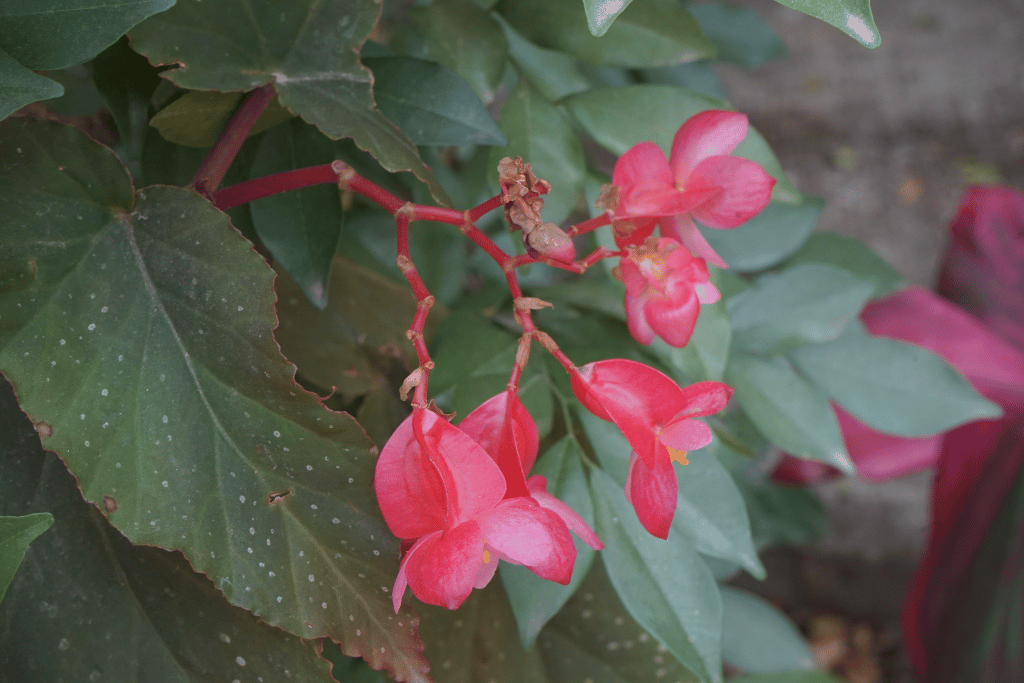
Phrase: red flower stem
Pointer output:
(439, 214)
(216, 164)
(257, 188)
(504, 261)
(588, 225)
(594, 257)
(476, 212)
(404, 212)
(424, 301)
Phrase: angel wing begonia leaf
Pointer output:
(123, 610)
(16, 532)
(137, 327)
(309, 50)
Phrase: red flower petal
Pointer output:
(710, 133)
(686, 435)
(538, 489)
(683, 229)
(672, 319)
(636, 318)
(523, 532)
(503, 427)
(745, 189)
(642, 175)
(409, 490)
(473, 482)
(442, 567)
(636, 397)
(704, 398)
(653, 491)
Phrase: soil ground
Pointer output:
(889, 138)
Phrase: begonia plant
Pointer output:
(307, 302)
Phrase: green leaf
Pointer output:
(430, 103)
(852, 17)
(594, 637)
(80, 96)
(789, 677)
(704, 356)
(351, 346)
(19, 86)
(894, 387)
(308, 49)
(805, 304)
(54, 34)
(664, 585)
(758, 638)
(601, 14)
(126, 81)
(740, 34)
(651, 33)
(299, 228)
(554, 74)
(478, 642)
(700, 76)
(535, 601)
(851, 255)
(790, 412)
(197, 118)
(88, 605)
(463, 36)
(118, 318)
(15, 535)
(618, 118)
(541, 134)
(710, 512)
(768, 237)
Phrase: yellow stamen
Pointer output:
(676, 455)
(487, 556)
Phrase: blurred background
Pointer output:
(889, 138)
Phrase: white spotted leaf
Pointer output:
(87, 605)
(137, 328)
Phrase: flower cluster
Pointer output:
(666, 279)
(461, 496)
(656, 417)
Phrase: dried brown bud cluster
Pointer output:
(521, 193)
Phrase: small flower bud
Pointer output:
(547, 239)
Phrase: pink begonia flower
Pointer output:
(503, 427)
(917, 316)
(438, 487)
(656, 417)
(665, 286)
(699, 181)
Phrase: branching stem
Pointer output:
(216, 164)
